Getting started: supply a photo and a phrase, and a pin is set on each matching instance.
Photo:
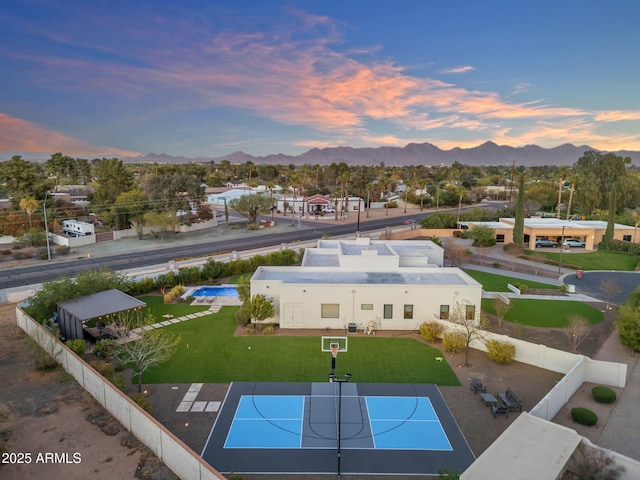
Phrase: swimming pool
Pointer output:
(226, 291)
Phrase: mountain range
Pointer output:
(489, 153)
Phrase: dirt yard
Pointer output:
(51, 428)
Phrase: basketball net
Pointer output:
(334, 352)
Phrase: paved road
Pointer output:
(610, 286)
(137, 257)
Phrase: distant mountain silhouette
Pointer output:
(489, 153)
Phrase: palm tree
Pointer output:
(636, 218)
(29, 204)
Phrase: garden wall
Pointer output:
(72, 242)
(183, 461)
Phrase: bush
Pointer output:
(242, 316)
(500, 352)
(269, 329)
(602, 394)
(142, 401)
(453, 342)
(523, 287)
(43, 254)
(584, 416)
(18, 255)
(62, 250)
(77, 346)
(104, 348)
(430, 331)
(250, 328)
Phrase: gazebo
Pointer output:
(73, 314)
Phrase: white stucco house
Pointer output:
(397, 285)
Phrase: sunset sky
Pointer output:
(207, 78)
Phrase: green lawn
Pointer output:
(545, 313)
(598, 260)
(158, 307)
(209, 353)
(498, 283)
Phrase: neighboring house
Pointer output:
(222, 198)
(397, 285)
(589, 231)
(75, 228)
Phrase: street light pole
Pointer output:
(46, 225)
(561, 250)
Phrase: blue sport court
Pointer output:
(307, 428)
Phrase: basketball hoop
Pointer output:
(334, 352)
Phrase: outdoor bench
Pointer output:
(511, 400)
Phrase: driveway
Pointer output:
(609, 286)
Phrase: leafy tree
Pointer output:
(629, 322)
(250, 206)
(148, 348)
(22, 178)
(29, 204)
(244, 289)
(162, 220)
(518, 227)
(211, 269)
(112, 179)
(261, 308)
(130, 208)
(483, 236)
(501, 308)
(439, 220)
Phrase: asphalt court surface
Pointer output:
(267, 428)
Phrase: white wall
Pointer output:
(73, 241)
(183, 461)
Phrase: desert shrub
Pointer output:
(584, 416)
(18, 255)
(104, 348)
(43, 254)
(142, 401)
(243, 315)
(500, 352)
(6, 251)
(523, 287)
(77, 346)
(62, 250)
(44, 362)
(270, 329)
(602, 394)
(431, 330)
(453, 342)
(106, 369)
(253, 226)
(250, 328)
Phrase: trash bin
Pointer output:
(579, 274)
(571, 288)
(351, 328)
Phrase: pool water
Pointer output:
(215, 292)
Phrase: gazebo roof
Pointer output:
(100, 304)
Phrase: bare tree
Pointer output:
(514, 253)
(577, 331)
(594, 463)
(471, 327)
(537, 259)
(483, 253)
(456, 253)
(610, 289)
(501, 308)
(142, 347)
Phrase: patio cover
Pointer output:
(530, 448)
(73, 312)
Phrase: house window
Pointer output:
(626, 238)
(366, 306)
(408, 311)
(499, 238)
(330, 310)
(388, 311)
(444, 312)
(471, 312)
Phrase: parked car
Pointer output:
(545, 242)
(410, 221)
(572, 242)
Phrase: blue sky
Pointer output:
(207, 78)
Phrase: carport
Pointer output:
(104, 306)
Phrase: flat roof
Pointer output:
(434, 276)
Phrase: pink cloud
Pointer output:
(17, 134)
(617, 116)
